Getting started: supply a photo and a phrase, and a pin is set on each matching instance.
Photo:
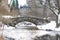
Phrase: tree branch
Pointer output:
(50, 9)
(53, 11)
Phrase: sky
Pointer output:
(22, 2)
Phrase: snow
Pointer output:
(19, 34)
(25, 24)
(50, 25)
(8, 27)
(24, 34)
(7, 16)
(57, 29)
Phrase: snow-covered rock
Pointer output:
(50, 25)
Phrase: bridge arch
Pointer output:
(33, 20)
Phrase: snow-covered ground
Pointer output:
(50, 25)
(25, 34)
(18, 34)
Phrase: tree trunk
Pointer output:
(57, 36)
(0, 0)
(57, 24)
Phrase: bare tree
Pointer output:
(54, 6)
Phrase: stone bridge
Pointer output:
(34, 20)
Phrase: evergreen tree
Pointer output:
(14, 3)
